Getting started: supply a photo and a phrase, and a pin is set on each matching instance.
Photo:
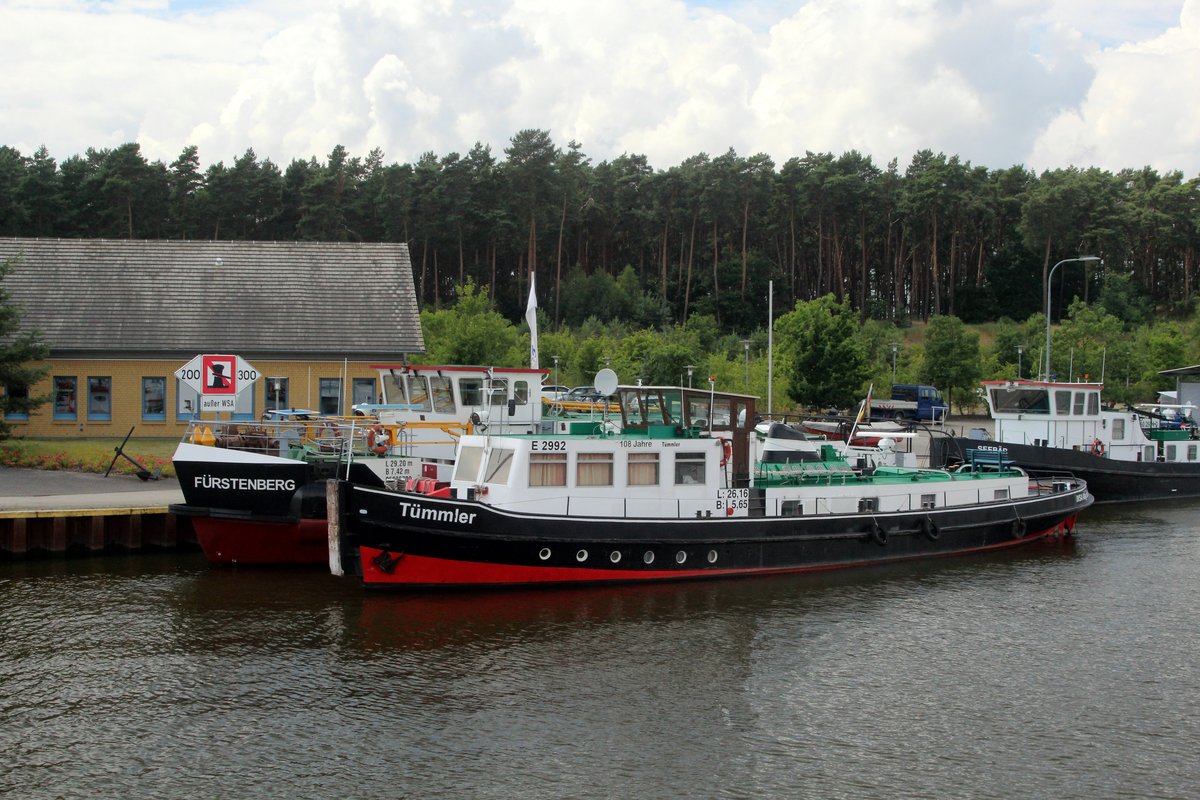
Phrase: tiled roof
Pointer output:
(139, 298)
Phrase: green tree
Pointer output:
(952, 359)
(472, 332)
(17, 350)
(819, 339)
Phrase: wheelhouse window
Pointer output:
(689, 468)
(499, 392)
(594, 469)
(443, 394)
(1016, 400)
(499, 465)
(1093, 403)
(66, 400)
(1080, 398)
(330, 393)
(467, 467)
(472, 391)
(1062, 402)
(521, 392)
(154, 399)
(277, 394)
(418, 393)
(548, 469)
(100, 398)
(643, 469)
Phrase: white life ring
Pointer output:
(377, 440)
(1097, 448)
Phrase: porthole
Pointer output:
(649, 557)
(544, 553)
(680, 557)
(615, 556)
(581, 555)
(712, 556)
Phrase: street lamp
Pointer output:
(1048, 279)
(1020, 352)
(746, 346)
(690, 368)
(556, 369)
(895, 349)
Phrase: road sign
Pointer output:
(217, 376)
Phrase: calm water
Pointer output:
(1064, 672)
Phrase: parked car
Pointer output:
(583, 394)
(553, 391)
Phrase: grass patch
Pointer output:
(88, 455)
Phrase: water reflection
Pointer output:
(1051, 671)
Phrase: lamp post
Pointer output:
(746, 347)
(690, 368)
(1020, 352)
(555, 369)
(895, 349)
(1048, 279)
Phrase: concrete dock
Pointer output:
(49, 512)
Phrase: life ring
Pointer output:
(930, 529)
(727, 452)
(1097, 447)
(878, 534)
(377, 440)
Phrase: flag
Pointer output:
(531, 318)
(865, 409)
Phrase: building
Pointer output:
(122, 316)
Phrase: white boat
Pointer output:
(676, 488)
(1139, 453)
(254, 491)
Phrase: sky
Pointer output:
(1041, 83)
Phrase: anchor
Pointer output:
(142, 472)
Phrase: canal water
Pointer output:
(1061, 671)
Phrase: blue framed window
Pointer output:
(154, 399)
(66, 397)
(362, 390)
(100, 398)
(330, 396)
(17, 393)
(187, 400)
(276, 393)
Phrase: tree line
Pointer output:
(622, 240)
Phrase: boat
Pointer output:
(1135, 454)
(841, 428)
(254, 491)
(679, 487)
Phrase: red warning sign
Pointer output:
(220, 375)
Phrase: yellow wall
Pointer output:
(303, 390)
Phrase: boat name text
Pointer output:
(245, 484)
(414, 511)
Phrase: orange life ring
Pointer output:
(377, 440)
(1097, 447)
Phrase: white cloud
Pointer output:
(997, 82)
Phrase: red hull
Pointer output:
(424, 571)
(232, 541)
